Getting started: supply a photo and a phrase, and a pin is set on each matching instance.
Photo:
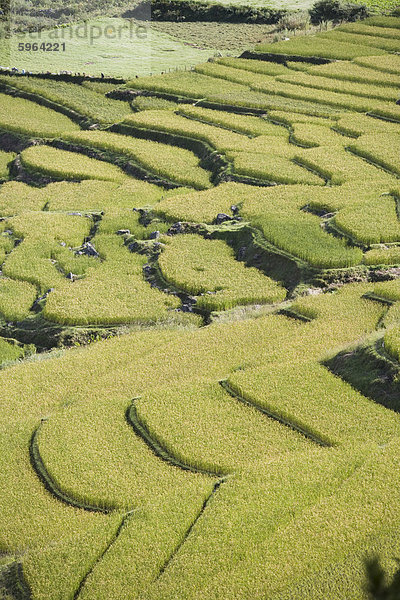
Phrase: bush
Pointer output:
(334, 10)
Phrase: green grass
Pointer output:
(9, 351)
(6, 159)
(208, 269)
(118, 49)
(30, 119)
(171, 162)
(62, 164)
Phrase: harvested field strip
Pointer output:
(141, 430)
(49, 483)
(121, 526)
(304, 432)
(206, 503)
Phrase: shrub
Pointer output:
(336, 11)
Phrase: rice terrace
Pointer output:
(200, 310)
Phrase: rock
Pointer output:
(134, 247)
(74, 214)
(234, 209)
(89, 250)
(222, 218)
(71, 276)
(176, 228)
(241, 253)
(154, 235)
(63, 244)
(123, 232)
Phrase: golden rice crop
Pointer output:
(349, 71)
(243, 123)
(41, 233)
(62, 164)
(385, 64)
(381, 148)
(111, 292)
(316, 45)
(362, 88)
(363, 41)
(164, 160)
(208, 269)
(16, 298)
(27, 118)
(79, 98)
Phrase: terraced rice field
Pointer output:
(200, 327)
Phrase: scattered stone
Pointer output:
(74, 214)
(71, 276)
(154, 235)
(134, 247)
(234, 209)
(89, 250)
(123, 232)
(63, 244)
(176, 228)
(242, 253)
(222, 218)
